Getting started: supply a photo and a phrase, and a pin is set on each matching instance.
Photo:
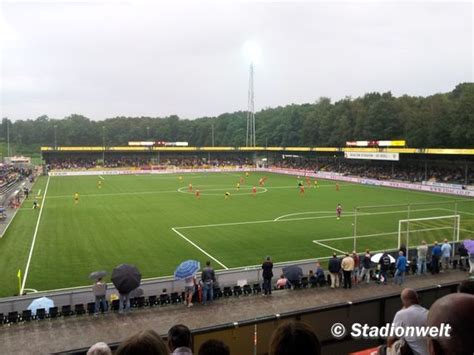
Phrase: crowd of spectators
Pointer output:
(144, 163)
(296, 337)
(383, 170)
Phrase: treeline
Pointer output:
(440, 120)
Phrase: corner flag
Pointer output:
(19, 281)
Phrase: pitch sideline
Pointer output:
(25, 275)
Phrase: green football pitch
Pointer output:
(152, 221)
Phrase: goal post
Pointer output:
(412, 231)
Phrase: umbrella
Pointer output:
(187, 269)
(126, 278)
(97, 275)
(376, 258)
(469, 245)
(38, 303)
(293, 272)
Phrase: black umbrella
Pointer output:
(97, 275)
(293, 272)
(126, 278)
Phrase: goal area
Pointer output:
(412, 232)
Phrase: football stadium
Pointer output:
(289, 225)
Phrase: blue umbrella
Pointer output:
(187, 269)
(38, 303)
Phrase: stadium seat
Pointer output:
(40, 313)
(257, 288)
(247, 290)
(164, 299)
(79, 309)
(139, 302)
(12, 317)
(26, 315)
(237, 291)
(66, 311)
(175, 298)
(53, 312)
(217, 293)
(152, 301)
(115, 305)
(91, 308)
(227, 291)
(304, 282)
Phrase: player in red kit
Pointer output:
(261, 182)
(198, 194)
(254, 191)
(190, 187)
(302, 190)
(337, 186)
(338, 211)
(308, 181)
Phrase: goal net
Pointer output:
(411, 232)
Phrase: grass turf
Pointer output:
(130, 220)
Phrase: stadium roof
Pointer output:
(450, 151)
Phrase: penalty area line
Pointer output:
(101, 177)
(25, 275)
(327, 246)
(199, 248)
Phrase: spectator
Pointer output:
(435, 256)
(208, 278)
(456, 310)
(385, 263)
(334, 268)
(467, 286)
(124, 304)
(355, 272)
(469, 245)
(189, 289)
(319, 274)
(422, 252)
(400, 268)
(100, 348)
(463, 257)
(446, 254)
(213, 347)
(411, 315)
(179, 340)
(282, 282)
(100, 290)
(347, 266)
(267, 275)
(366, 266)
(403, 249)
(145, 342)
(294, 338)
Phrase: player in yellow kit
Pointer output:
(238, 186)
(76, 198)
(99, 184)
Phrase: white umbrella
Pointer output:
(43, 302)
(376, 258)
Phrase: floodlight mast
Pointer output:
(250, 140)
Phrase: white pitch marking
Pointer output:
(101, 177)
(39, 192)
(327, 246)
(199, 248)
(34, 238)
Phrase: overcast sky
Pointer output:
(137, 58)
